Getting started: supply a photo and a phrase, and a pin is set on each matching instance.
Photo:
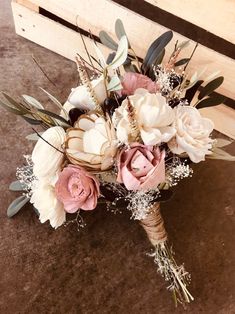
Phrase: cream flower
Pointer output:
(92, 142)
(80, 96)
(153, 117)
(45, 201)
(192, 133)
(47, 159)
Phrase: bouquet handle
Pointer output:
(175, 275)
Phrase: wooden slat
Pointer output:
(141, 32)
(50, 34)
(223, 118)
(216, 16)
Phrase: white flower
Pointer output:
(80, 96)
(47, 160)
(45, 201)
(92, 142)
(192, 133)
(153, 116)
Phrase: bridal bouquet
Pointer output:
(124, 137)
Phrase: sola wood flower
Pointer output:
(47, 159)
(92, 142)
(192, 133)
(132, 81)
(153, 117)
(141, 167)
(81, 98)
(77, 189)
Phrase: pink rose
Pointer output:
(141, 167)
(77, 189)
(132, 81)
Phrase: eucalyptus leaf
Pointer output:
(32, 102)
(15, 104)
(114, 84)
(221, 142)
(219, 153)
(155, 50)
(181, 62)
(184, 44)
(10, 108)
(56, 102)
(110, 58)
(211, 101)
(210, 87)
(31, 120)
(160, 57)
(33, 136)
(107, 40)
(120, 30)
(55, 116)
(121, 54)
(190, 93)
(16, 205)
(16, 186)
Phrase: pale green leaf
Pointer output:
(33, 102)
(121, 54)
(16, 186)
(16, 205)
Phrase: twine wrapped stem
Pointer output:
(175, 275)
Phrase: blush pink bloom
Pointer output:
(131, 81)
(77, 189)
(141, 167)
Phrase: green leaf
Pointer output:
(33, 136)
(107, 40)
(10, 108)
(211, 101)
(31, 120)
(181, 62)
(16, 205)
(120, 31)
(55, 116)
(210, 87)
(121, 54)
(32, 102)
(15, 104)
(160, 57)
(114, 84)
(55, 101)
(16, 186)
(155, 50)
(184, 44)
(221, 142)
(218, 153)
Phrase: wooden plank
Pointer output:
(50, 34)
(141, 32)
(218, 17)
(28, 4)
(223, 118)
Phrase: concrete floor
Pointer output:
(103, 268)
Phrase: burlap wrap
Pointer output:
(153, 224)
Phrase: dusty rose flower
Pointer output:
(141, 167)
(132, 81)
(77, 189)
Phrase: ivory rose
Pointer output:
(141, 167)
(92, 142)
(192, 133)
(153, 117)
(80, 97)
(49, 207)
(132, 81)
(47, 160)
(77, 189)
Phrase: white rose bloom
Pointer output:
(153, 116)
(47, 160)
(92, 142)
(192, 133)
(80, 97)
(45, 201)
